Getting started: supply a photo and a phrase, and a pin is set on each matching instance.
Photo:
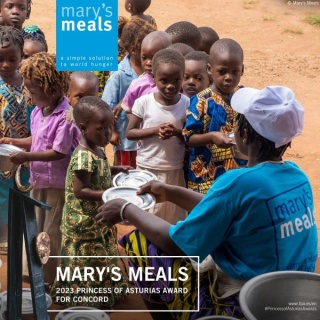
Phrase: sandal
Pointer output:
(4, 248)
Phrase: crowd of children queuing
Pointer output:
(170, 97)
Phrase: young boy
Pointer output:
(196, 76)
(210, 119)
(145, 84)
(157, 121)
(82, 83)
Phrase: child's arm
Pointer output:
(24, 143)
(135, 133)
(116, 110)
(168, 130)
(117, 169)
(81, 187)
(195, 125)
(115, 138)
(48, 155)
(111, 95)
(220, 139)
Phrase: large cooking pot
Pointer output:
(282, 295)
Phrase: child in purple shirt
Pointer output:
(53, 138)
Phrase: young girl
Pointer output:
(129, 68)
(14, 100)
(15, 12)
(53, 138)
(34, 40)
(157, 120)
(88, 176)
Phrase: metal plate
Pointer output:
(26, 300)
(84, 313)
(6, 149)
(144, 201)
(135, 178)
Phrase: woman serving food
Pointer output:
(252, 221)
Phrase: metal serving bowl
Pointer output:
(217, 318)
(5, 163)
(282, 295)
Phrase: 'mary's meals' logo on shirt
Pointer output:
(292, 211)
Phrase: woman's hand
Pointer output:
(109, 213)
(156, 188)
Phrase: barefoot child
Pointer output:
(88, 176)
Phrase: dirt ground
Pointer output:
(280, 46)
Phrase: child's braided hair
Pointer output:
(10, 35)
(34, 33)
(42, 67)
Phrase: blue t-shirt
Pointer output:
(254, 220)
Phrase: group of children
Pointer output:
(164, 100)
